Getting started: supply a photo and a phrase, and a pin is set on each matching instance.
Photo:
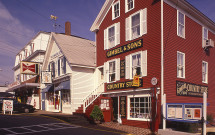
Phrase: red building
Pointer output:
(167, 39)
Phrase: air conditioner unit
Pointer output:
(208, 43)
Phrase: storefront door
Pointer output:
(115, 108)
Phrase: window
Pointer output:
(136, 64)
(58, 67)
(204, 72)
(181, 24)
(129, 5)
(31, 48)
(112, 36)
(115, 10)
(136, 25)
(180, 65)
(204, 36)
(63, 65)
(66, 97)
(112, 70)
(52, 68)
(139, 107)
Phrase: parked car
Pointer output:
(17, 106)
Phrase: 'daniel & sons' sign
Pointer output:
(190, 89)
(125, 48)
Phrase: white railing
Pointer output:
(93, 96)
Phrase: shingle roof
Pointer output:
(78, 51)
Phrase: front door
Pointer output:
(115, 108)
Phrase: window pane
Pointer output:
(132, 99)
(181, 18)
(135, 25)
(136, 100)
(136, 104)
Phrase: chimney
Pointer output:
(68, 28)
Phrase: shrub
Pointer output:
(96, 113)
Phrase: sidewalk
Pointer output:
(81, 121)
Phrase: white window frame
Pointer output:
(181, 66)
(116, 36)
(178, 23)
(143, 24)
(113, 11)
(128, 106)
(203, 72)
(128, 64)
(204, 39)
(117, 70)
(126, 6)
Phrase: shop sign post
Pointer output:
(7, 106)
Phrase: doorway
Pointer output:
(115, 108)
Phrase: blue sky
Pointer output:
(20, 20)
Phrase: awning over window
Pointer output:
(49, 88)
(63, 85)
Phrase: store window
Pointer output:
(204, 72)
(181, 24)
(116, 10)
(139, 107)
(136, 64)
(66, 97)
(180, 65)
(112, 36)
(105, 104)
(112, 70)
(51, 98)
(129, 5)
(136, 24)
(63, 65)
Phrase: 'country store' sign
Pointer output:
(123, 85)
(190, 89)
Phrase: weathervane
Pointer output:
(52, 17)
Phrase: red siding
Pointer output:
(194, 55)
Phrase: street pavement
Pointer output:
(19, 124)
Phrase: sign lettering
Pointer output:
(123, 85)
(189, 89)
(125, 48)
(122, 69)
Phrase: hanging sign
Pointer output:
(31, 68)
(46, 77)
(122, 68)
(125, 48)
(190, 89)
(136, 81)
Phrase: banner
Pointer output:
(30, 68)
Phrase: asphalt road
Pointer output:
(39, 125)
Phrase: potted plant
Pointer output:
(96, 114)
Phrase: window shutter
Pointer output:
(105, 71)
(58, 67)
(128, 29)
(64, 65)
(144, 63)
(143, 21)
(118, 69)
(105, 39)
(127, 68)
(126, 6)
(112, 11)
(117, 35)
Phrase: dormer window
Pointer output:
(115, 10)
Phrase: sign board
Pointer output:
(154, 81)
(123, 85)
(7, 106)
(122, 68)
(123, 107)
(125, 48)
(136, 81)
(46, 77)
(184, 112)
(190, 89)
(30, 68)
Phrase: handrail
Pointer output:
(92, 97)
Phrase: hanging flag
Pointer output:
(31, 68)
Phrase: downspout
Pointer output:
(162, 69)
